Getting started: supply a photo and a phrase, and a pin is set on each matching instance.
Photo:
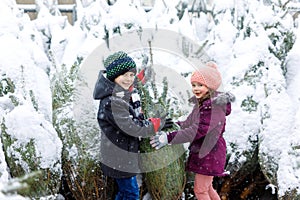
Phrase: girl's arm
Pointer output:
(210, 119)
(186, 123)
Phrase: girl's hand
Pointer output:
(160, 140)
(168, 124)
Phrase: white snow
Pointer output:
(24, 59)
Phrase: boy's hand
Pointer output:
(158, 122)
(146, 74)
(159, 140)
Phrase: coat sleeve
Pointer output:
(119, 116)
(210, 118)
(186, 123)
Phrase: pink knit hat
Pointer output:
(208, 75)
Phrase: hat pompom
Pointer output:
(212, 64)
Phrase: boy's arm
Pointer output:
(119, 115)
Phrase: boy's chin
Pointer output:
(125, 87)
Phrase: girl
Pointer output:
(203, 128)
(122, 124)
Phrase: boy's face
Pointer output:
(125, 80)
(199, 90)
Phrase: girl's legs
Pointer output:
(128, 189)
(203, 188)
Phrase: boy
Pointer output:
(122, 123)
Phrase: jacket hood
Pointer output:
(219, 98)
(104, 88)
(222, 98)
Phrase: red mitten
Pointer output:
(156, 123)
(141, 76)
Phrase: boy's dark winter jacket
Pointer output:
(122, 125)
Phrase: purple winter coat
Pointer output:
(204, 129)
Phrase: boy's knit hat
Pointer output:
(208, 76)
(117, 64)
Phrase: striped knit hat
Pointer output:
(117, 64)
(208, 76)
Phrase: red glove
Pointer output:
(156, 123)
(141, 76)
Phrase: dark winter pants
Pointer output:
(128, 189)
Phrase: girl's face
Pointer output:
(125, 80)
(199, 90)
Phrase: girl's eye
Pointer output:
(197, 85)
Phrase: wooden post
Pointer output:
(66, 8)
